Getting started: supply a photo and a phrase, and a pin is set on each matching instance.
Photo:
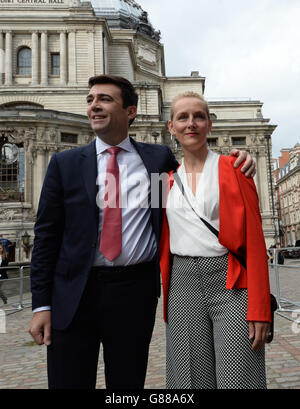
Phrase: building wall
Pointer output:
(288, 195)
(88, 47)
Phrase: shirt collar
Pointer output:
(101, 146)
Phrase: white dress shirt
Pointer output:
(138, 239)
(188, 234)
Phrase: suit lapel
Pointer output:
(89, 170)
(146, 153)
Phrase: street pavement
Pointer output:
(23, 363)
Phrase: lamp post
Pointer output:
(268, 137)
(155, 136)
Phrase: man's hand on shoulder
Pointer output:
(40, 327)
(249, 167)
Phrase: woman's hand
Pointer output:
(249, 167)
(258, 332)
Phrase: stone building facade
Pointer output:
(287, 178)
(48, 50)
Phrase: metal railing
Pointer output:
(287, 308)
(15, 288)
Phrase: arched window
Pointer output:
(21, 105)
(24, 61)
(12, 170)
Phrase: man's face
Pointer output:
(105, 111)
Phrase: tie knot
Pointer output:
(114, 150)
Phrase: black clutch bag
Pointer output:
(274, 307)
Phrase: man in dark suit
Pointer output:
(95, 274)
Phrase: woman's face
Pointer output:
(190, 123)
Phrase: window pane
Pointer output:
(11, 172)
(55, 64)
(24, 61)
(212, 142)
(69, 137)
(238, 141)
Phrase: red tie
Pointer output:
(111, 234)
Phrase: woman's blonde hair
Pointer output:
(4, 254)
(190, 94)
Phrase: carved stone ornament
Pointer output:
(225, 138)
(253, 138)
(7, 214)
(147, 55)
(28, 214)
(133, 4)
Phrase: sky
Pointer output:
(245, 49)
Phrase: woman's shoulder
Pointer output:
(226, 164)
(227, 159)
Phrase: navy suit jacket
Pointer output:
(66, 229)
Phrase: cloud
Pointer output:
(244, 49)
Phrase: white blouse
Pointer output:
(188, 234)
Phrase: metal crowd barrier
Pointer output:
(287, 308)
(15, 288)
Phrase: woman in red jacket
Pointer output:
(214, 264)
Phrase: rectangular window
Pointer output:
(238, 141)
(69, 138)
(55, 63)
(212, 142)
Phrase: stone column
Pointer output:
(91, 53)
(38, 175)
(35, 58)
(8, 58)
(63, 58)
(44, 58)
(72, 58)
(1, 57)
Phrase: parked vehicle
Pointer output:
(291, 253)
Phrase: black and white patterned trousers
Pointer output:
(208, 344)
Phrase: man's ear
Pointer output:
(132, 111)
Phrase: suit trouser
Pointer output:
(120, 314)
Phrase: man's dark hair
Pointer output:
(129, 96)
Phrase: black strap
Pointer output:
(181, 188)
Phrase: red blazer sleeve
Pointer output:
(259, 308)
(165, 257)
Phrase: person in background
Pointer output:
(214, 264)
(280, 256)
(6, 243)
(3, 273)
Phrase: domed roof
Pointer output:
(125, 14)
